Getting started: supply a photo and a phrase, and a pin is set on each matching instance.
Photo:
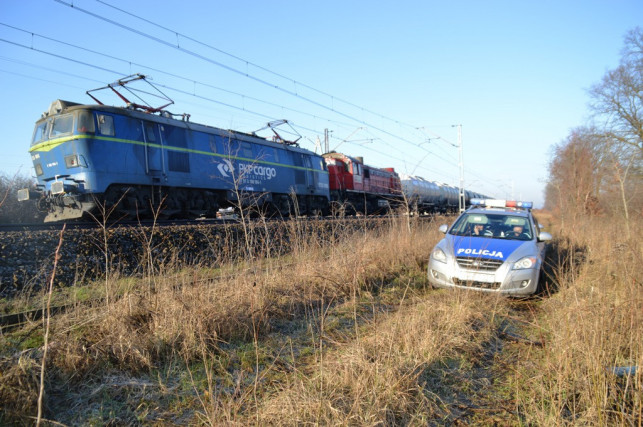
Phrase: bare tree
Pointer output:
(577, 173)
(617, 107)
(602, 165)
(246, 200)
(617, 101)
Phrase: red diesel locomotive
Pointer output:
(359, 188)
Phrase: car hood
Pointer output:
(488, 248)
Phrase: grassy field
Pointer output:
(343, 330)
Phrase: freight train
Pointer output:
(139, 162)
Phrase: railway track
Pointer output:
(90, 225)
(12, 321)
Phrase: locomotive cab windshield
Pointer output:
(58, 126)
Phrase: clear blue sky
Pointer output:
(389, 79)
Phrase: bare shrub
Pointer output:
(12, 211)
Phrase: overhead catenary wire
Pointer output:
(351, 117)
(200, 56)
(118, 73)
(232, 69)
(156, 70)
(227, 105)
(247, 62)
(39, 79)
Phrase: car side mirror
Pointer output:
(544, 236)
(443, 228)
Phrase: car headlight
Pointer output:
(524, 263)
(439, 255)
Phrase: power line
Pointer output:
(177, 34)
(231, 69)
(129, 62)
(38, 78)
(263, 81)
(206, 85)
(119, 73)
(160, 71)
(245, 61)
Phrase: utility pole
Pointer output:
(461, 200)
(326, 148)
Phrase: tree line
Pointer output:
(597, 169)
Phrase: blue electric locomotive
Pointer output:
(93, 158)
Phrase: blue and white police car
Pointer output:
(494, 246)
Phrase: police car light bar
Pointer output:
(515, 204)
(498, 203)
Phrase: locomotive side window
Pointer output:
(85, 122)
(40, 133)
(246, 150)
(268, 154)
(62, 125)
(308, 162)
(321, 164)
(134, 129)
(149, 132)
(175, 136)
(106, 125)
(356, 169)
(178, 160)
(300, 175)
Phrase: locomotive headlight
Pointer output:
(524, 263)
(57, 187)
(439, 255)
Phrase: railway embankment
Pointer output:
(28, 256)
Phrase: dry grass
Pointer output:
(593, 324)
(386, 375)
(188, 316)
(344, 330)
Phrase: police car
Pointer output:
(494, 246)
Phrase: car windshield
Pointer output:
(496, 226)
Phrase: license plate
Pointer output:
(477, 277)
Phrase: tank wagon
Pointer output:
(426, 196)
(360, 188)
(93, 157)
